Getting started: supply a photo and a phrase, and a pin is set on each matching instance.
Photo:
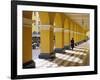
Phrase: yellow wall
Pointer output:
(27, 44)
(74, 33)
(45, 41)
(27, 37)
(59, 31)
(58, 20)
(44, 18)
(59, 43)
(52, 38)
(71, 30)
(66, 38)
(66, 32)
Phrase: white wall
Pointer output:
(5, 29)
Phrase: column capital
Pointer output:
(66, 30)
(58, 29)
(45, 27)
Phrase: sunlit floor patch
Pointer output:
(74, 52)
(69, 58)
(42, 63)
(77, 56)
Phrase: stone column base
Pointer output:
(47, 55)
(59, 50)
(29, 64)
(67, 47)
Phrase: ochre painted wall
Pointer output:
(45, 41)
(59, 39)
(27, 37)
(66, 38)
(59, 31)
(66, 32)
(44, 18)
(58, 21)
(27, 44)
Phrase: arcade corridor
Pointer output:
(47, 39)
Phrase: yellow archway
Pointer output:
(46, 35)
(59, 32)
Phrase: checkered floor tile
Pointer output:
(76, 57)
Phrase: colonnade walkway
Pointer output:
(79, 56)
(55, 32)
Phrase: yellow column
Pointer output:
(75, 33)
(87, 34)
(59, 39)
(46, 37)
(66, 34)
(71, 30)
(82, 30)
(59, 33)
(83, 35)
(78, 34)
(27, 40)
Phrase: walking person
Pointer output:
(72, 43)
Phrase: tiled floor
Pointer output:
(77, 57)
